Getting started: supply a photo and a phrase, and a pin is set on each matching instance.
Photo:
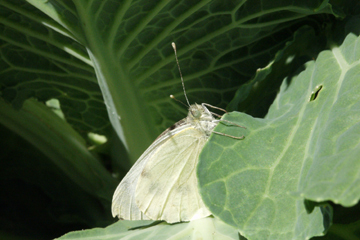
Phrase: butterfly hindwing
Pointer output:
(123, 202)
(167, 187)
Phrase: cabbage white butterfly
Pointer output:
(162, 184)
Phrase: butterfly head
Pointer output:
(195, 111)
(201, 118)
(199, 112)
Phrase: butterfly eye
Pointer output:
(196, 113)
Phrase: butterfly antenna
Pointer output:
(173, 97)
(182, 80)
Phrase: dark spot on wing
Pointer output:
(145, 174)
(184, 189)
(178, 124)
(172, 127)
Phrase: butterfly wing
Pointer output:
(167, 188)
(123, 202)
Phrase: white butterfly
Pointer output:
(162, 184)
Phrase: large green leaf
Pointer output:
(305, 148)
(206, 228)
